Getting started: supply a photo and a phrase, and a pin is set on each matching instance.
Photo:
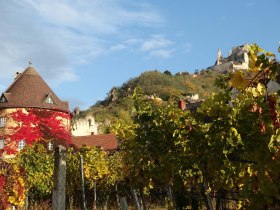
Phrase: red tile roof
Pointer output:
(29, 90)
(106, 141)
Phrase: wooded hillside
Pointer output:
(163, 85)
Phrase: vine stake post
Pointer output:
(58, 198)
(83, 204)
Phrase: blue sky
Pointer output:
(84, 48)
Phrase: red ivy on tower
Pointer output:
(37, 125)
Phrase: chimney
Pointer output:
(17, 75)
(76, 111)
(182, 104)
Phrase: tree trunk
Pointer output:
(143, 204)
(220, 205)
(106, 203)
(26, 203)
(206, 196)
(194, 202)
(171, 204)
(94, 197)
(71, 201)
(117, 196)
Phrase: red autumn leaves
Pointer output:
(33, 125)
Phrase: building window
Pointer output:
(49, 99)
(2, 122)
(89, 123)
(50, 146)
(2, 143)
(21, 144)
(3, 99)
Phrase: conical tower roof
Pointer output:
(29, 90)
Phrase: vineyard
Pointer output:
(225, 155)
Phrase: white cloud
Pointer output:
(155, 42)
(118, 47)
(161, 53)
(93, 16)
(57, 34)
(132, 41)
(250, 3)
(186, 48)
(158, 46)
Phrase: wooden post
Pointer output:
(123, 203)
(171, 202)
(136, 199)
(58, 197)
(206, 196)
(83, 204)
(95, 197)
(26, 203)
(117, 196)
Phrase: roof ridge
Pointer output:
(29, 89)
(30, 70)
(18, 75)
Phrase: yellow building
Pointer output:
(28, 90)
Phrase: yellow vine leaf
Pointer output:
(151, 185)
(250, 171)
(238, 81)
(270, 54)
(261, 89)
